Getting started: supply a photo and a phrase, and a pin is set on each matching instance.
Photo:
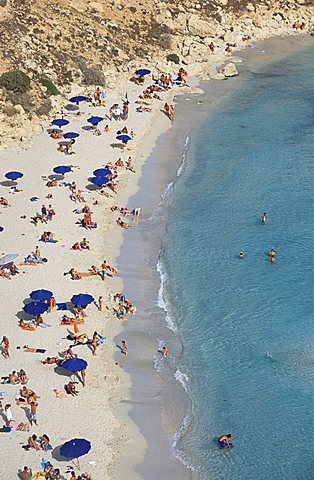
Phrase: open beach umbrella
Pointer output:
(82, 299)
(101, 172)
(78, 99)
(142, 72)
(35, 308)
(95, 120)
(74, 364)
(62, 169)
(99, 180)
(60, 122)
(14, 175)
(75, 448)
(41, 295)
(8, 258)
(71, 135)
(124, 138)
(1, 229)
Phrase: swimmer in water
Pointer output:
(241, 255)
(272, 255)
(223, 440)
(264, 218)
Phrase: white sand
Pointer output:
(90, 414)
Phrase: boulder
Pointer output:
(230, 70)
(3, 3)
(19, 109)
(202, 28)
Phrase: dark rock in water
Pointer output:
(312, 34)
(3, 3)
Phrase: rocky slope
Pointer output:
(81, 43)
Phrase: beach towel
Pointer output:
(19, 426)
(44, 325)
(61, 306)
(34, 350)
(101, 340)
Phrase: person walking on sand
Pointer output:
(124, 349)
(6, 345)
(94, 343)
(8, 415)
(83, 375)
(165, 352)
(264, 218)
(33, 413)
(100, 303)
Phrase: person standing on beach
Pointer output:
(264, 218)
(165, 352)
(100, 303)
(124, 348)
(83, 375)
(8, 415)
(33, 413)
(94, 343)
(6, 345)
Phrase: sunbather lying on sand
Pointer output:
(71, 320)
(78, 339)
(123, 224)
(4, 202)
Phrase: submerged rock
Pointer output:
(230, 70)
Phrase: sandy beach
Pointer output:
(92, 414)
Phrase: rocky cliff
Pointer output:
(64, 43)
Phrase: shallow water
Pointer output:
(246, 325)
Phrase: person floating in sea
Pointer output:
(272, 255)
(223, 440)
(264, 218)
(165, 352)
(241, 254)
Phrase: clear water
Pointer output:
(247, 326)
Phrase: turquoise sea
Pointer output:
(246, 325)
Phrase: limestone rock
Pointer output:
(230, 70)
(19, 109)
(3, 3)
(202, 28)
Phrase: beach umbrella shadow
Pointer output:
(88, 128)
(56, 177)
(92, 188)
(57, 130)
(56, 455)
(62, 371)
(117, 145)
(8, 183)
(64, 143)
(71, 108)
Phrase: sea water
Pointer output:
(247, 325)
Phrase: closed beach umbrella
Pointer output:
(74, 364)
(41, 295)
(8, 258)
(14, 175)
(62, 169)
(78, 99)
(124, 138)
(142, 72)
(95, 120)
(101, 172)
(71, 135)
(99, 180)
(82, 299)
(75, 448)
(36, 308)
(60, 122)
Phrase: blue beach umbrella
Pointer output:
(101, 172)
(41, 295)
(60, 122)
(62, 169)
(95, 120)
(1, 229)
(74, 364)
(75, 448)
(36, 308)
(124, 138)
(71, 135)
(142, 72)
(99, 180)
(14, 175)
(78, 99)
(82, 299)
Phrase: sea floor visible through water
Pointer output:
(239, 355)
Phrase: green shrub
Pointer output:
(51, 88)
(15, 81)
(173, 57)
